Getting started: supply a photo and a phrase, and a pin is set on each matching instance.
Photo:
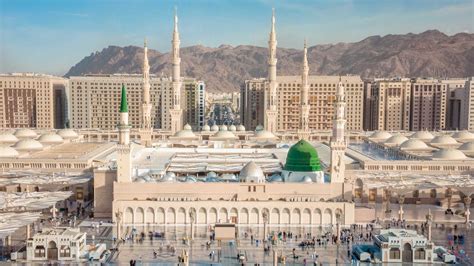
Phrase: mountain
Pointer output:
(431, 53)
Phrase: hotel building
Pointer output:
(32, 101)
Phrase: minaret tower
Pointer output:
(146, 129)
(176, 111)
(271, 94)
(338, 142)
(303, 132)
(124, 158)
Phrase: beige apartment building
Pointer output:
(456, 102)
(322, 91)
(30, 100)
(467, 111)
(95, 98)
(389, 104)
(428, 105)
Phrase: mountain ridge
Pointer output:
(224, 68)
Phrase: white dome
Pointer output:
(449, 154)
(50, 138)
(28, 145)
(241, 128)
(380, 135)
(215, 128)
(232, 128)
(169, 177)
(8, 138)
(463, 135)
(306, 179)
(443, 140)
(467, 147)
(413, 144)
(259, 127)
(396, 140)
(67, 133)
(8, 152)
(276, 178)
(224, 135)
(424, 135)
(263, 134)
(223, 128)
(206, 128)
(187, 127)
(211, 174)
(185, 133)
(251, 172)
(25, 133)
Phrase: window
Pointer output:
(394, 254)
(39, 252)
(420, 254)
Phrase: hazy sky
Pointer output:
(50, 36)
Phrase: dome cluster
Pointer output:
(445, 147)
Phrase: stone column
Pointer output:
(192, 218)
(338, 234)
(275, 258)
(265, 220)
(28, 232)
(386, 199)
(429, 220)
(467, 205)
(401, 200)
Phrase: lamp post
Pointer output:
(429, 220)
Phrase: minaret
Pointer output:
(176, 111)
(146, 128)
(303, 132)
(338, 142)
(271, 94)
(124, 158)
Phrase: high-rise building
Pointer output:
(32, 101)
(467, 110)
(95, 98)
(322, 91)
(428, 105)
(456, 100)
(390, 104)
(252, 109)
(195, 106)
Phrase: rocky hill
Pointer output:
(431, 53)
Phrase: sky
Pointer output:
(50, 36)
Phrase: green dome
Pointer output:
(302, 157)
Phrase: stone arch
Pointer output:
(212, 216)
(160, 216)
(202, 216)
(223, 215)
(254, 217)
(128, 216)
(181, 216)
(285, 216)
(296, 216)
(339, 215)
(244, 216)
(358, 188)
(275, 216)
(150, 215)
(170, 216)
(139, 216)
(326, 217)
(234, 215)
(407, 255)
(52, 250)
(306, 216)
